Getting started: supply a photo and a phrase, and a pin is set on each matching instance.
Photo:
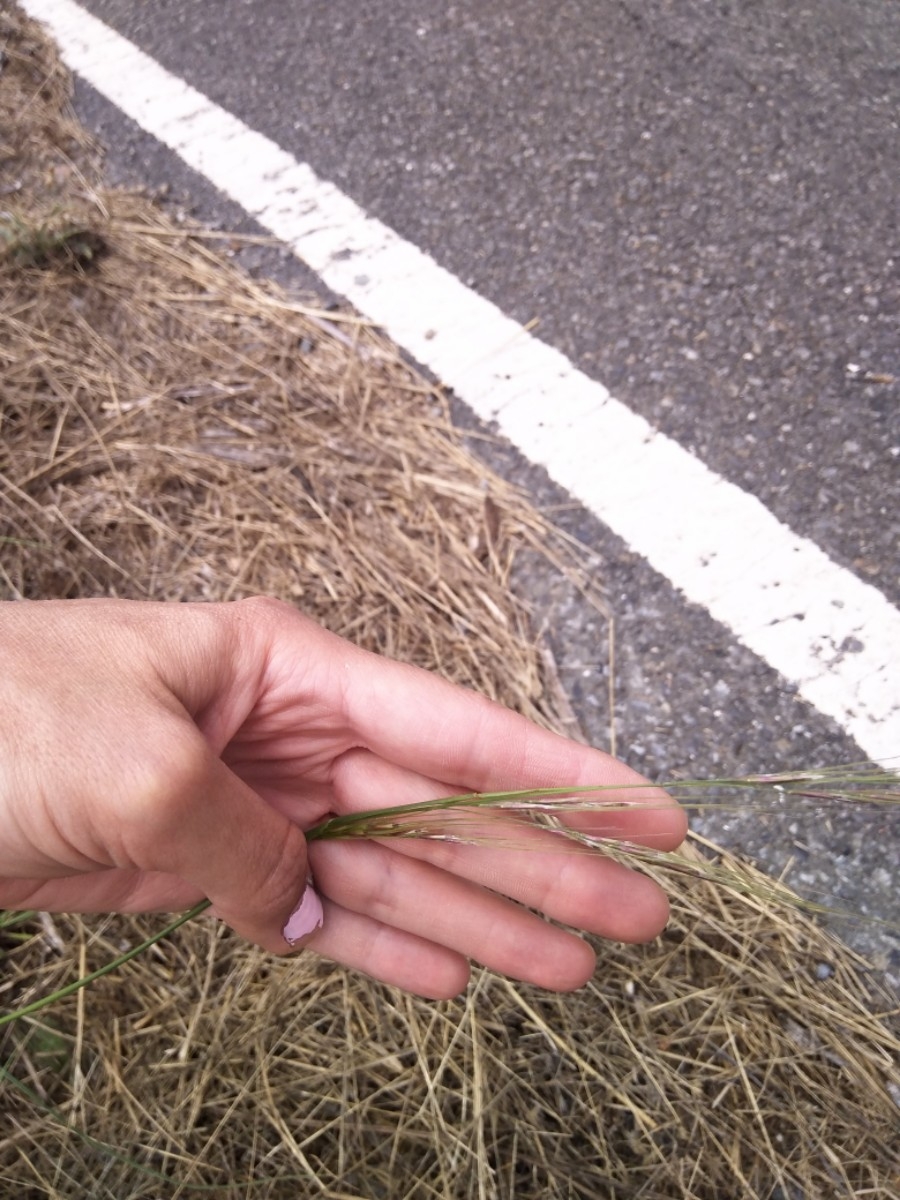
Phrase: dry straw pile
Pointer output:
(170, 429)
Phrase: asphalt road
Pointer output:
(698, 203)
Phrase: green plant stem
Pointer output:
(9, 919)
(78, 984)
(861, 785)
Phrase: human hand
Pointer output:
(155, 754)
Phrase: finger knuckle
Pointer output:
(284, 874)
(156, 795)
(266, 609)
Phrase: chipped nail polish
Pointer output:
(305, 918)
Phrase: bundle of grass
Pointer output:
(171, 429)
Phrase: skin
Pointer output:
(155, 754)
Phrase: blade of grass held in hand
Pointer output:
(857, 785)
(512, 819)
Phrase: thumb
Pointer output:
(248, 859)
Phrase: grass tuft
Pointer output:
(54, 243)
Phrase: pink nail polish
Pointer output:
(305, 918)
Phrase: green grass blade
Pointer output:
(78, 984)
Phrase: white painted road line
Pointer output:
(816, 623)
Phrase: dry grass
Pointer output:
(170, 429)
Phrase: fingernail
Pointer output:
(306, 917)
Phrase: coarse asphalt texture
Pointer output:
(698, 203)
